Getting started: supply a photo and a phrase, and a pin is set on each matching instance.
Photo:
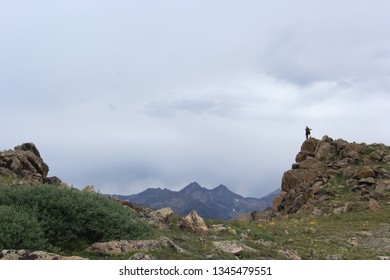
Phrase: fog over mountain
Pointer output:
(129, 95)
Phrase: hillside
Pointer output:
(218, 203)
(334, 203)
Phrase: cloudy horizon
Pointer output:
(127, 95)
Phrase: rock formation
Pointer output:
(34, 255)
(322, 163)
(25, 165)
(193, 223)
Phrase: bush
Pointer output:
(20, 230)
(69, 216)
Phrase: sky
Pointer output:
(127, 95)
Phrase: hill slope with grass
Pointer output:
(334, 204)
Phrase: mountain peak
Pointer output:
(194, 186)
(221, 187)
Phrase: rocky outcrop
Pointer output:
(320, 163)
(33, 255)
(125, 246)
(25, 165)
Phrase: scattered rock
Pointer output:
(233, 247)
(365, 172)
(289, 254)
(126, 246)
(34, 255)
(344, 209)
(352, 241)
(383, 186)
(193, 223)
(373, 205)
(368, 181)
(221, 228)
(317, 212)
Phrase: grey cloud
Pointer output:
(127, 95)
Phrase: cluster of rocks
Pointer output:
(34, 255)
(359, 167)
(25, 166)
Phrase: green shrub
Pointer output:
(69, 216)
(20, 230)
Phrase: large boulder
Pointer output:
(326, 151)
(161, 218)
(193, 223)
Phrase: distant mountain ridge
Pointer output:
(217, 203)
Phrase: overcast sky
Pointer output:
(127, 95)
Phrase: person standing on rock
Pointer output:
(307, 130)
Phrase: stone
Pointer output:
(352, 241)
(34, 255)
(232, 246)
(317, 212)
(116, 247)
(167, 243)
(377, 155)
(193, 223)
(326, 138)
(344, 209)
(52, 181)
(311, 163)
(365, 172)
(325, 151)
(386, 159)
(221, 228)
(373, 205)
(351, 183)
(28, 147)
(382, 186)
(348, 172)
(161, 218)
(367, 181)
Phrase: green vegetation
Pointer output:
(52, 218)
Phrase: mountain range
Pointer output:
(217, 203)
